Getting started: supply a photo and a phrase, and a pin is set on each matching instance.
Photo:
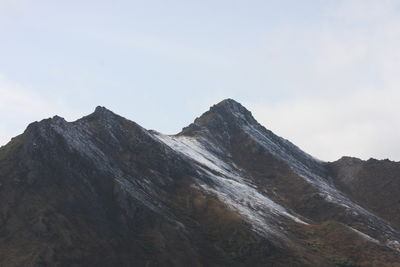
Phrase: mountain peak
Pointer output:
(231, 106)
(231, 109)
(102, 110)
(228, 102)
(100, 113)
(226, 113)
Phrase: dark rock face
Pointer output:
(374, 184)
(103, 191)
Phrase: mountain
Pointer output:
(104, 191)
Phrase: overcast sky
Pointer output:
(324, 74)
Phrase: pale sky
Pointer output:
(324, 74)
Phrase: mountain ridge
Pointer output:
(225, 191)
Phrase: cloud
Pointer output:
(361, 123)
(364, 10)
(11, 4)
(20, 105)
(351, 105)
(17, 106)
(13, 97)
(345, 91)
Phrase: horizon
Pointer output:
(322, 74)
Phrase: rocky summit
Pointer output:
(104, 191)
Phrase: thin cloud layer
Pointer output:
(359, 123)
(351, 104)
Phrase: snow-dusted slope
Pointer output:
(207, 142)
(295, 158)
(225, 181)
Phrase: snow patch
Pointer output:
(229, 186)
(363, 235)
